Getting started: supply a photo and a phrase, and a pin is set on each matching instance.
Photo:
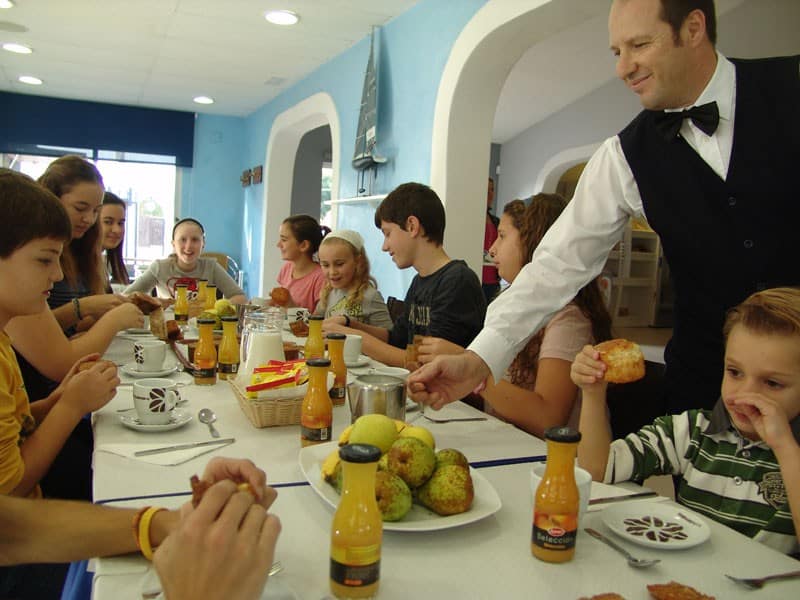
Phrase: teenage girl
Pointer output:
(350, 292)
(536, 392)
(298, 241)
(112, 226)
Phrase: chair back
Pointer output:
(229, 264)
(396, 308)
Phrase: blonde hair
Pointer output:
(361, 276)
(773, 311)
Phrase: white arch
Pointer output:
(287, 130)
(554, 168)
(481, 58)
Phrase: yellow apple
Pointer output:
(378, 430)
(420, 433)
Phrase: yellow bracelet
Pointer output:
(143, 538)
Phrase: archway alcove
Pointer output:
(287, 131)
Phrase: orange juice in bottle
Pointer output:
(555, 512)
(202, 284)
(357, 529)
(338, 390)
(205, 354)
(315, 345)
(316, 413)
(211, 296)
(228, 359)
(181, 303)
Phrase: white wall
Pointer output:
(754, 29)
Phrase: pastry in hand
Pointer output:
(624, 360)
(199, 488)
(144, 302)
(299, 328)
(157, 326)
(280, 296)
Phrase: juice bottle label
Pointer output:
(554, 531)
(181, 317)
(337, 394)
(228, 368)
(315, 435)
(356, 575)
(205, 373)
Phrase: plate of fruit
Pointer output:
(417, 487)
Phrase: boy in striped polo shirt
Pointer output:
(740, 462)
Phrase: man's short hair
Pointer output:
(675, 12)
(29, 212)
(417, 200)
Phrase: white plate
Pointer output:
(130, 369)
(360, 362)
(138, 331)
(656, 525)
(179, 419)
(419, 518)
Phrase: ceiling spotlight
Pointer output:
(203, 100)
(6, 4)
(30, 80)
(18, 48)
(281, 17)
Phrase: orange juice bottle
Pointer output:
(202, 284)
(211, 296)
(555, 512)
(181, 303)
(315, 345)
(357, 529)
(338, 368)
(205, 354)
(316, 414)
(228, 363)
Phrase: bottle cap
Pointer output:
(201, 279)
(229, 318)
(360, 453)
(562, 434)
(336, 336)
(206, 321)
(316, 318)
(318, 362)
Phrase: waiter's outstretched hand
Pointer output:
(447, 378)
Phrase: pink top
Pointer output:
(304, 291)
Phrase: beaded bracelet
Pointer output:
(141, 525)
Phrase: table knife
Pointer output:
(223, 442)
(621, 498)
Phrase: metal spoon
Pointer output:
(208, 416)
(639, 563)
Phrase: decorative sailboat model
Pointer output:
(365, 157)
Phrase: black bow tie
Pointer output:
(706, 117)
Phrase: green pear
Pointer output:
(451, 456)
(412, 460)
(449, 491)
(393, 496)
(383, 463)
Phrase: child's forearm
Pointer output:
(378, 332)
(789, 461)
(595, 434)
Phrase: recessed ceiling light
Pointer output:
(281, 17)
(204, 100)
(18, 48)
(6, 4)
(30, 80)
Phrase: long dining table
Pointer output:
(489, 558)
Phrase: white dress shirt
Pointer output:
(576, 247)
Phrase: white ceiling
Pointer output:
(163, 53)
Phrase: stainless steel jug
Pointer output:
(381, 394)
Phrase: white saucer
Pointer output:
(130, 369)
(362, 360)
(179, 419)
(138, 331)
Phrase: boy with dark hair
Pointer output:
(445, 298)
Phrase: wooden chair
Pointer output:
(396, 308)
(229, 264)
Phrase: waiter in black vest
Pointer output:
(709, 163)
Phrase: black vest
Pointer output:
(723, 240)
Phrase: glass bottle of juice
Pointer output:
(338, 368)
(555, 512)
(315, 345)
(211, 296)
(181, 303)
(205, 354)
(357, 529)
(202, 284)
(228, 363)
(316, 413)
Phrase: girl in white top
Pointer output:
(350, 292)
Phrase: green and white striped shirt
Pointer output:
(725, 476)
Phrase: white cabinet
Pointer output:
(633, 268)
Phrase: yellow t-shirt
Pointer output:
(16, 421)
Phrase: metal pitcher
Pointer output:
(382, 394)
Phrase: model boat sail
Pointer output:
(365, 156)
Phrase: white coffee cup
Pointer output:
(582, 477)
(297, 313)
(149, 355)
(352, 348)
(154, 400)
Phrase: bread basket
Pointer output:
(271, 408)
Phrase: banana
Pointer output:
(344, 437)
(329, 465)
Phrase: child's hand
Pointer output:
(334, 324)
(588, 371)
(767, 417)
(126, 316)
(431, 347)
(92, 389)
